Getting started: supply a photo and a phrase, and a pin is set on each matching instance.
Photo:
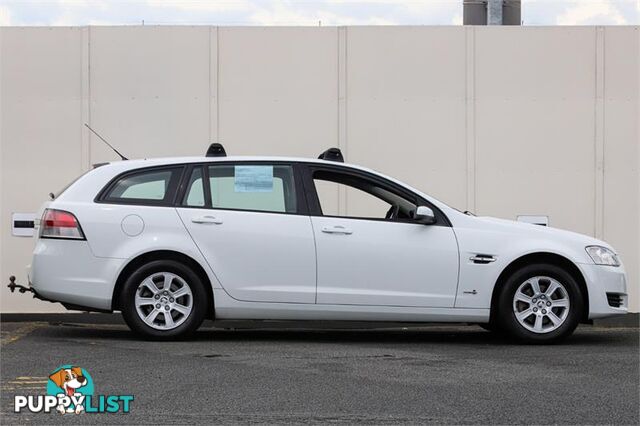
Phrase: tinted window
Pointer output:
(261, 187)
(195, 189)
(361, 204)
(366, 199)
(147, 186)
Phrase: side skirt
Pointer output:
(227, 308)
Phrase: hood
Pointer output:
(531, 230)
(524, 230)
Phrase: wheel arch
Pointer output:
(147, 257)
(541, 257)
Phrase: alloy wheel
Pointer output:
(163, 300)
(541, 304)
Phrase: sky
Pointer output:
(301, 12)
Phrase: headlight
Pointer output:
(602, 256)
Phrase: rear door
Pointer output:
(250, 221)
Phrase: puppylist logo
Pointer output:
(70, 391)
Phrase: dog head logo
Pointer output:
(69, 379)
(71, 382)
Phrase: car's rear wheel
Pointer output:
(540, 303)
(163, 299)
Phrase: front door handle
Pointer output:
(338, 229)
(206, 219)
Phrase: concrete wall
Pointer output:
(498, 120)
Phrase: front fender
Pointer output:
(477, 281)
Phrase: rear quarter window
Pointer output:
(150, 186)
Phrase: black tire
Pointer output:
(193, 320)
(488, 326)
(506, 318)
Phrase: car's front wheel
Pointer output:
(163, 299)
(540, 303)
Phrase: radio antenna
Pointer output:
(103, 140)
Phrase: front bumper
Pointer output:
(601, 280)
(66, 271)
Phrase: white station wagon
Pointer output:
(170, 242)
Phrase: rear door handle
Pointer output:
(338, 229)
(206, 219)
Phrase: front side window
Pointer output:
(155, 186)
(366, 199)
(253, 187)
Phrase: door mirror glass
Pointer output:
(425, 215)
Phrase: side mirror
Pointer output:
(425, 215)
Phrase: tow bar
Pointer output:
(22, 289)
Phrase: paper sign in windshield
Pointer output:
(253, 178)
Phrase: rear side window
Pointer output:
(253, 187)
(195, 189)
(155, 186)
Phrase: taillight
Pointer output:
(60, 224)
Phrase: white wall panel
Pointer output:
(406, 106)
(278, 90)
(516, 120)
(41, 135)
(621, 175)
(535, 90)
(149, 89)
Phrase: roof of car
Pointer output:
(130, 164)
(217, 153)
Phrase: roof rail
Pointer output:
(332, 154)
(216, 150)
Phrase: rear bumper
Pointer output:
(66, 271)
(603, 280)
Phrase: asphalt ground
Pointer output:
(438, 374)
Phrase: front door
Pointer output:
(249, 221)
(371, 252)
